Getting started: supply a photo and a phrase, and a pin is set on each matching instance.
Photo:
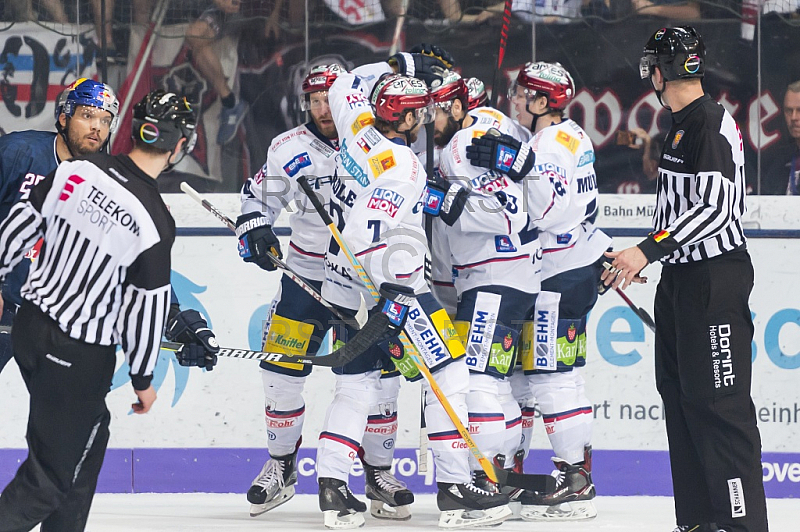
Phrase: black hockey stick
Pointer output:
(331, 361)
(501, 52)
(639, 311)
(361, 315)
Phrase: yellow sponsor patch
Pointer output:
(452, 340)
(568, 140)
(363, 120)
(526, 346)
(462, 328)
(490, 112)
(477, 133)
(382, 162)
(288, 337)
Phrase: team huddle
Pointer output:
(499, 322)
(434, 238)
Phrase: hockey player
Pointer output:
(86, 114)
(298, 323)
(105, 257)
(381, 184)
(561, 191)
(477, 94)
(496, 264)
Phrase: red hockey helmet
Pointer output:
(451, 87)
(545, 79)
(320, 78)
(395, 94)
(476, 94)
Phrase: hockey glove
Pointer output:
(502, 153)
(420, 66)
(200, 346)
(432, 50)
(256, 240)
(446, 200)
(394, 302)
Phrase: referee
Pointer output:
(704, 329)
(102, 279)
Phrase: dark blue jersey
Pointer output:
(25, 158)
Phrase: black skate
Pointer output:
(274, 485)
(390, 497)
(340, 508)
(465, 505)
(570, 501)
(704, 527)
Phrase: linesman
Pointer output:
(102, 279)
(704, 327)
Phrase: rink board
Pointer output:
(206, 431)
(616, 473)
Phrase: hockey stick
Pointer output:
(401, 20)
(330, 361)
(497, 475)
(501, 52)
(639, 311)
(361, 315)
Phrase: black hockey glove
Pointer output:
(446, 200)
(502, 153)
(394, 302)
(420, 66)
(432, 50)
(256, 240)
(200, 346)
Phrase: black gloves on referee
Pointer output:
(200, 346)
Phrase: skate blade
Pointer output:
(451, 519)
(381, 510)
(566, 511)
(283, 497)
(334, 521)
(516, 508)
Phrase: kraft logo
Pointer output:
(69, 186)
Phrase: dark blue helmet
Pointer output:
(91, 93)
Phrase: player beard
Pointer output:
(81, 145)
(442, 138)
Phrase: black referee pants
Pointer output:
(703, 372)
(67, 426)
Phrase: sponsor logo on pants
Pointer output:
(737, 497)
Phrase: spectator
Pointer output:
(21, 10)
(671, 9)
(782, 174)
(630, 167)
(220, 20)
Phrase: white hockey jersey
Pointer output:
(485, 244)
(376, 200)
(300, 151)
(562, 198)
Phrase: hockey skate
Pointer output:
(704, 527)
(465, 506)
(570, 501)
(274, 485)
(340, 509)
(390, 498)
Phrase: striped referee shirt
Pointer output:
(700, 191)
(103, 272)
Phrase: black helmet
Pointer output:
(162, 119)
(678, 52)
